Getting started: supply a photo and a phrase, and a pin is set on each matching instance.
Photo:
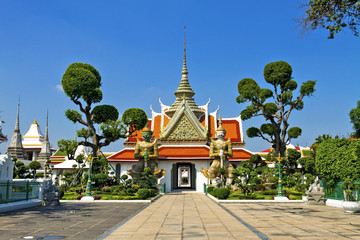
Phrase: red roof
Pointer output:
(179, 152)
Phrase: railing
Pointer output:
(13, 191)
(335, 192)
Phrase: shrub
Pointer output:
(152, 192)
(248, 196)
(106, 189)
(269, 192)
(101, 179)
(223, 193)
(122, 193)
(210, 189)
(143, 193)
(214, 192)
(260, 187)
(130, 191)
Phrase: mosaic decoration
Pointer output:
(184, 130)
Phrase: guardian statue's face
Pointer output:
(147, 136)
(220, 134)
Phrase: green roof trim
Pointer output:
(59, 154)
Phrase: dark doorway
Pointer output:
(183, 176)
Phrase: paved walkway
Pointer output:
(76, 220)
(183, 216)
(195, 216)
(298, 221)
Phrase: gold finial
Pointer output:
(35, 122)
(220, 128)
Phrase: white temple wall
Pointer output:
(200, 178)
(6, 167)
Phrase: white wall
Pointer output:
(6, 168)
(200, 178)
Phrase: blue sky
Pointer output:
(137, 46)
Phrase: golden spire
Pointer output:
(220, 128)
(35, 122)
(184, 91)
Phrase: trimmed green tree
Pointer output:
(81, 83)
(339, 160)
(34, 166)
(355, 120)
(333, 15)
(68, 146)
(274, 105)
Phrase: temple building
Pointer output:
(183, 131)
(34, 146)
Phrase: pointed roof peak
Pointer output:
(184, 91)
(35, 122)
(17, 124)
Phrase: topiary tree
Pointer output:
(274, 105)
(333, 15)
(34, 166)
(355, 120)
(68, 146)
(81, 83)
(339, 160)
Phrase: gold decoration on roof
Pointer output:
(220, 128)
(35, 122)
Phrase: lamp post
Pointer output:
(280, 193)
(88, 185)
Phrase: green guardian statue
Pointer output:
(147, 153)
(220, 150)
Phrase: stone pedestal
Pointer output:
(88, 198)
(281, 199)
(315, 198)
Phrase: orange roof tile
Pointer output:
(157, 127)
(174, 152)
(183, 152)
(240, 154)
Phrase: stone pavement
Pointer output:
(195, 216)
(78, 220)
(183, 216)
(298, 221)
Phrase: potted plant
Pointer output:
(350, 204)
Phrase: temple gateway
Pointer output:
(182, 133)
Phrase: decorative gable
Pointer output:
(184, 125)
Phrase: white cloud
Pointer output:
(59, 87)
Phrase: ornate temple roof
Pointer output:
(184, 92)
(184, 129)
(176, 152)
